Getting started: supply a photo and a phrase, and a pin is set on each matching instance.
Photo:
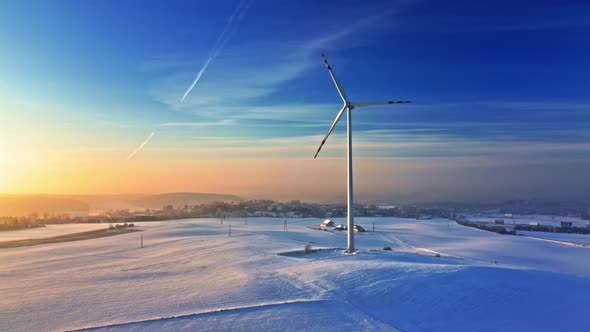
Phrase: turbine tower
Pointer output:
(349, 106)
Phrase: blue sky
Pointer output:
(496, 85)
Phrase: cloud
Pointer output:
(244, 102)
(140, 146)
(225, 122)
(226, 34)
(243, 77)
(397, 144)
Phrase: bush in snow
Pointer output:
(307, 248)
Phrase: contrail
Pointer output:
(190, 88)
(229, 30)
(140, 146)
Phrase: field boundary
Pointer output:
(67, 237)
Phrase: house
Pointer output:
(340, 228)
(567, 224)
(499, 222)
(327, 223)
(533, 223)
(358, 228)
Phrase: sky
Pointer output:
(91, 98)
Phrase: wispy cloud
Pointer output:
(379, 143)
(140, 146)
(226, 34)
(242, 78)
(224, 122)
(246, 94)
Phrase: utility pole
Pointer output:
(221, 215)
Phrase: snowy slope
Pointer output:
(49, 231)
(191, 275)
(527, 218)
(580, 239)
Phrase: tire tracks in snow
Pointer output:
(419, 250)
(266, 305)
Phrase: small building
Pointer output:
(533, 223)
(508, 215)
(567, 224)
(327, 223)
(358, 228)
(499, 222)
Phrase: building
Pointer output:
(358, 228)
(327, 223)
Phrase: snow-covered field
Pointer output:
(190, 275)
(532, 218)
(573, 239)
(49, 231)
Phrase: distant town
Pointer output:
(298, 209)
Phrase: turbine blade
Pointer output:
(338, 87)
(330, 130)
(375, 103)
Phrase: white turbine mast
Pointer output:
(349, 106)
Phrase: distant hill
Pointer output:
(102, 203)
(24, 205)
(180, 199)
(12, 205)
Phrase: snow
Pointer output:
(191, 275)
(528, 218)
(49, 231)
(582, 239)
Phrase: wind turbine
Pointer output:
(349, 106)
